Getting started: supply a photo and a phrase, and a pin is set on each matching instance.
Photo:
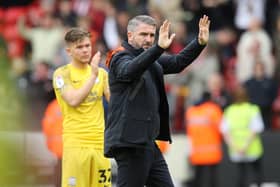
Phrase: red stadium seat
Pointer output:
(2, 14)
(10, 32)
(1, 29)
(1, 21)
(12, 14)
(16, 48)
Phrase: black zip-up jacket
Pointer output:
(138, 110)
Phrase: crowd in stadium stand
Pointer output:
(243, 33)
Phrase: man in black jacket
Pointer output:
(138, 108)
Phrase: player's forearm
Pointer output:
(74, 97)
(107, 94)
(130, 68)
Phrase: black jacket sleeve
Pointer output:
(176, 63)
(128, 67)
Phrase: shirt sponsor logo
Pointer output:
(72, 181)
(96, 80)
(75, 81)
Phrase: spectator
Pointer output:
(171, 10)
(45, 39)
(111, 34)
(246, 11)
(132, 7)
(66, 14)
(82, 7)
(37, 86)
(255, 43)
(276, 42)
(217, 90)
(198, 73)
(262, 91)
(219, 10)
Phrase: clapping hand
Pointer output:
(95, 63)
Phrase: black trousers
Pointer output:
(250, 170)
(206, 174)
(266, 112)
(142, 166)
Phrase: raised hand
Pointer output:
(95, 63)
(203, 35)
(164, 40)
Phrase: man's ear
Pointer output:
(68, 50)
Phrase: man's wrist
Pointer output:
(200, 42)
(159, 47)
(93, 77)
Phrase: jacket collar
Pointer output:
(131, 49)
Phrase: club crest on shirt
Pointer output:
(59, 82)
(96, 80)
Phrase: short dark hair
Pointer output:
(134, 22)
(76, 34)
(240, 94)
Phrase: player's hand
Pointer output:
(203, 35)
(164, 40)
(95, 63)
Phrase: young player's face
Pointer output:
(81, 50)
(142, 37)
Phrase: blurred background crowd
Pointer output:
(244, 48)
(243, 33)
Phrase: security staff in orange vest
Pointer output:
(52, 129)
(202, 129)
